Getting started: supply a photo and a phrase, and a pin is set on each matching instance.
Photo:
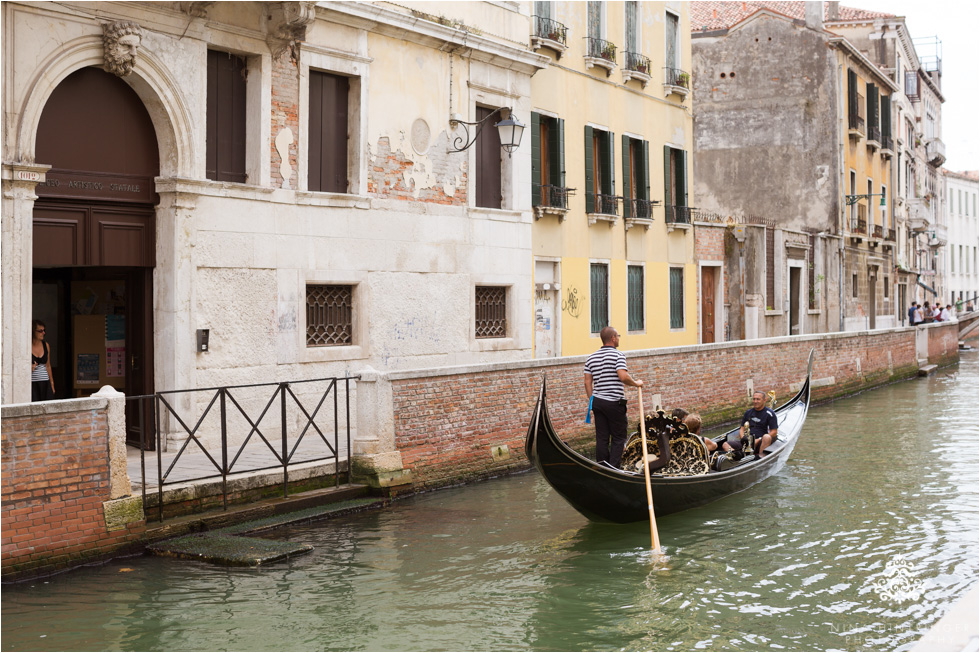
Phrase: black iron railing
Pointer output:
(861, 225)
(600, 49)
(887, 143)
(874, 134)
(638, 63)
(855, 120)
(606, 204)
(891, 235)
(554, 196)
(641, 208)
(677, 77)
(677, 214)
(220, 422)
(552, 30)
(878, 231)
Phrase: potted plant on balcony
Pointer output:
(683, 80)
(608, 52)
(553, 36)
(641, 68)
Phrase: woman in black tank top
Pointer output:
(42, 382)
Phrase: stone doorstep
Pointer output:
(926, 370)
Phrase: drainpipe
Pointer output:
(841, 218)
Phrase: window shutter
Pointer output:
(886, 116)
(559, 166)
(589, 172)
(870, 106)
(852, 93)
(667, 201)
(682, 177)
(645, 183)
(535, 159)
(610, 162)
(627, 205)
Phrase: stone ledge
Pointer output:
(55, 407)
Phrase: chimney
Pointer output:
(833, 11)
(813, 13)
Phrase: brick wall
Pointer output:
(56, 483)
(447, 421)
(285, 113)
(438, 177)
(709, 243)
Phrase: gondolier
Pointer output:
(605, 374)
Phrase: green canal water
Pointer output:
(882, 488)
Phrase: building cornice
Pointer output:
(845, 45)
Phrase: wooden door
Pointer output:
(707, 304)
(139, 357)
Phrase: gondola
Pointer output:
(606, 494)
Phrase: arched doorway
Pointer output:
(93, 238)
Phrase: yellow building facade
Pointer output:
(611, 138)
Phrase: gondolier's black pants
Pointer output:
(610, 430)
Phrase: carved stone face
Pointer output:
(120, 55)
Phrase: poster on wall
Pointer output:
(115, 328)
(115, 361)
(87, 369)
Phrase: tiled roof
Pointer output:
(968, 175)
(722, 15)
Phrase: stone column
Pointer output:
(375, 460)
(19, 182)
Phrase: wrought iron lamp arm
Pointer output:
(465, 137)
(854, 199)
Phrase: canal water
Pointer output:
(862, 542)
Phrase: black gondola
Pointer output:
(603, 493)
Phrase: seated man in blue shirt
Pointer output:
(762, 423)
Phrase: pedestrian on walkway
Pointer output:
(605, 375)
(912, 314)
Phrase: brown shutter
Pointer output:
(328, 132)
(226, 117)
(488, 162)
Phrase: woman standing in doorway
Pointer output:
(42, 382)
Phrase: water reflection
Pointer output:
(507, 564)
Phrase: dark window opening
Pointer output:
(600, 181)
(634, 291)
(225, 151)
(491, 311)
(329, 315)
(548, 162)
(676, 298)
(599, 296)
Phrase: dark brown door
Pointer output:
(707, 305)
(488, 162)
(139, 357)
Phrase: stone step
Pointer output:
(927, 370)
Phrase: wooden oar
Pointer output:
(654, 536)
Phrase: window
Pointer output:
(595, 20)
(886, 287)
(599, 296)
(675, 185)
(491, 311)
(632, 42)
(487, 176)
(874, 120)
(634, 292)
(854, 285)
(328, 132)
(329, 315)
(854, 118)
(884, 206)
(636, 178)
(542, 9)
(672, 58)
(225, 152)
(853, 206)
(676, 298)
(548, 162)
(600, 183)
(886, 122)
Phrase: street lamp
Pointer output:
(510, 130)
(854, 199)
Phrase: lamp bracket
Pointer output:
(463, 141)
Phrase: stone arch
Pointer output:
(151, 80)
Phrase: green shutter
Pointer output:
(852, 92)
(627, 206)
(589, 173)
(645, 177)
(682, 178)
(869, 106)
(886, 117)
(535, 159)
(560, 161)
(667, 201)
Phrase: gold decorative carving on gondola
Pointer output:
(688, 455)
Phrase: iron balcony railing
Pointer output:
(887, 143)
(678, 214)
(555, 197)
(273, 425)
(677, 77)
(874, 134)
(855, 120)
(862, 220)
(600, 49)
(546, 28)
(638, 63)
(606, 204)
(639, 208)
(878, 231)
(891, 235)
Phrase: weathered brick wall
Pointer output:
(709, 243)
(438, 177)
(943, 343)
(285, 114)
(56, 480)
(449, 421)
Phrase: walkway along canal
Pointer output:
(882, 487)
(65, 502)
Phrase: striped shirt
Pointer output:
(603, 366)
(40, 373)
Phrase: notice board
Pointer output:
(100, 352)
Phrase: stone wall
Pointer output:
(457, 423)
(66, 492)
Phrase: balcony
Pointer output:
(606, 208)
(890, 236)
(887, 147)
(554, 201)
(639, 212)
(855, 124)
(859, 223)
(920, 214)
(549, 34)
(874, 137)
(637, 67)
(936, 152)
(600, 53)
(678, 217)
(938, 237)
(677, 82)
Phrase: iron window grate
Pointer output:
(599, 296)
(676, 298)
(491, 311)
(329, 315)
(635, 293)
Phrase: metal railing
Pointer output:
(546, 28)
(638, 63)
(600, 49)
(860, 224)
(874, 134)
(607, 204)
(878, 231)
(677, 77)
(555, 197)
(891, 235)
(677, 214)
(855, 120)
(219, 411)
(887, 143)
(639, 208)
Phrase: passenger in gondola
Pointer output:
(761, 423)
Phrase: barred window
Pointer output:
(599, 296)
(491, 311)
(676, 298)
(634, 292)
(329, 315)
